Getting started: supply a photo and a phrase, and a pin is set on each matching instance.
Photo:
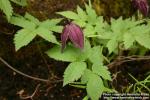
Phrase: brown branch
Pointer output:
(122, 59)
(7, 33)
(21, 73)
(28, 76)
(30, 96)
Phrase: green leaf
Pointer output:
(96, 55)
(95, 87)
(102, 71)
(81, 14)
(109, 90)
(6, 7)
(85, 53)
(70, 53)
(117, 25)
(78, 86)
(81, 23)
(32, 18)
(89, 30)
(47, 35)
(143, 39)
(22, 22)
(112, 45)
(100, 24)
(55, 21)
(141, 35)
(57, 29)
(73, 72)
(50, 23)
(20, 2)
(126, 31)
(32, 25)
(23, 37)
(128, 40)
(69, 14)
(85, 76)
(85, 98)
(92, 16)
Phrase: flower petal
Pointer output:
(76, 35)
(64, 37)
(143, 7)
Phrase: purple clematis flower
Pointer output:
(142, 5)
(74, 33)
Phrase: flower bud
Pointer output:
(74, 33)
(141, 5)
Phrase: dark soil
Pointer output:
(32, 61)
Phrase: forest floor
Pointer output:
(33, 61)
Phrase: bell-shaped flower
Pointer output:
(141, 5)
(74, 33)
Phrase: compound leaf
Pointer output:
(95, 87)
(96, 55)
(102, 71)
(6, 7)
(23, 37)
(81, 14)
(128, 40)
(112, 45)
(22, 22)
(70, 53)
(20, 2)
(47, 35)
(73, 72)
(69, 14)
(85, 76)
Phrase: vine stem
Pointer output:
(31, 96)
(21, 73)
(122, 59)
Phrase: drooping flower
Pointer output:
(141, 5)
(74, 33)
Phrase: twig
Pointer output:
(115, 75)
(122, 59)
(31, 96)
(23, 74)
(7, 33)
(28, 76)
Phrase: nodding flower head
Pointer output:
(141, 5)
(74, 33)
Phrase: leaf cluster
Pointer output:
(95, 72)
(31, 27)
(6, 7)
(78, 68)
(90, 70)
(127, 32)
(87, 68)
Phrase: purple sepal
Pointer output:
(74, 33)
(142, 5)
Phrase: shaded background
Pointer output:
(33, 61)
